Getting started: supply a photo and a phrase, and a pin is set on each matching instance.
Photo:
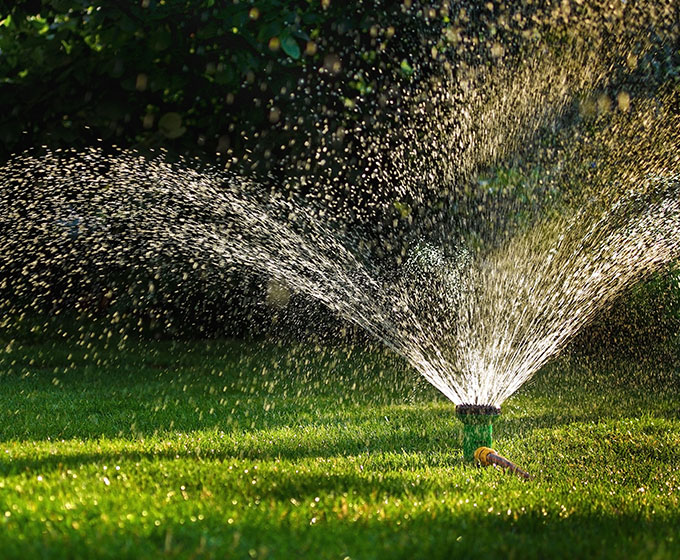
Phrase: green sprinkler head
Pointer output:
(477, 427)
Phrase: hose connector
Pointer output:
(486, 456)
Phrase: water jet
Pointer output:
(474, 228)
(477, 422)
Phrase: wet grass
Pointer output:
(244, 450)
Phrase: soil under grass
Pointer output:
(243, 450)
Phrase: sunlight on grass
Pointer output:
(168, 450)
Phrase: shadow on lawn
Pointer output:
(438, 447)
(137, 410)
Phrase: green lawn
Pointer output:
(245, 450)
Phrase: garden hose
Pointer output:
(486, 456)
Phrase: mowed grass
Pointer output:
(255, 450)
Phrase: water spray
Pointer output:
(486, 456)
(477, 422)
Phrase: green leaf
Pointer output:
(300, 34)
(161, 40)
(406, 68)
(403, 208)
(290, 47)
(225, 76)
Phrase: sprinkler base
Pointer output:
(477, 422)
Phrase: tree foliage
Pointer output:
(192, 75)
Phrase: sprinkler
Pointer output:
(477, 427)
(486, 456)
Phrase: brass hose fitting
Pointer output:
(486, 456)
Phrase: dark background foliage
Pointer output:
(254, 85)
(197, 77)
